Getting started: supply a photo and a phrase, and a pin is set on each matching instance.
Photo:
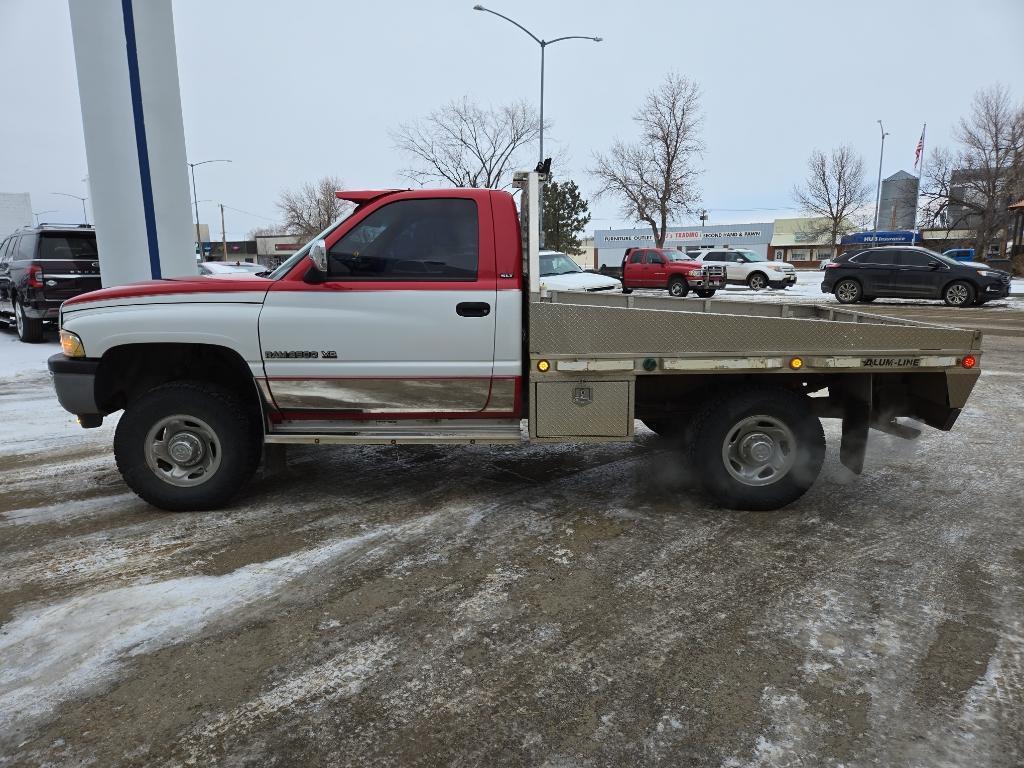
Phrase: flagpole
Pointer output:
(920, 178)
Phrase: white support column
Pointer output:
(134, 138)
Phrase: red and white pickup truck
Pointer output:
(417, 320)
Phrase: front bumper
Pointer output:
(996, 290)
(74, 380)
(784, 281)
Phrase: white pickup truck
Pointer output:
(416, 319)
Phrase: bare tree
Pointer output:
(311, 208)
(466, 145)
(835, 191)
(971, 187)
(655, 178)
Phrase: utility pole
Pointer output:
(223, 235)
(878, 191)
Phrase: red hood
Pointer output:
(228, 283)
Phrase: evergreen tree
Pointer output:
(566, 213)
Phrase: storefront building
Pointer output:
(803, 241)
(610, 244)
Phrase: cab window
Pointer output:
(915, 259)
(410, 240)
(637, 257)
(877, 258)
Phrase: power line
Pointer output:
(250, 213)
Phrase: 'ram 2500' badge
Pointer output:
(293, 354)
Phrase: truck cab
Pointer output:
(669, 270)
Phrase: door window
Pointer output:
(4, 250)
(410, 240)
(637, 257)
(878, 258)
(26, 248)
(653, 257)
(915, 259)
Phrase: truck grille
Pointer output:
(713, 271)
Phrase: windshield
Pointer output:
(300, 254)
(557, 264)
(678, 256)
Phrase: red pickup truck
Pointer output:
(670, 270)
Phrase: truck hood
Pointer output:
(238, 286)
(579, 281)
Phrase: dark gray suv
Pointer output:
(910, 272)
(40, 267)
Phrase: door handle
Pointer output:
(473, 309)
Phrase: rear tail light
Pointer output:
(969, 361)
(35, 276)
(831, 265)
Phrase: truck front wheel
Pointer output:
(186, 446)
(678, 287)
(757, 449)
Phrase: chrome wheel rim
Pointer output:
(846, 291)
(957, 294)
(183, 451)
(757, 282)
(676, 289)
(759, 450)
(19, 318)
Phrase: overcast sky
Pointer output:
(296, 89)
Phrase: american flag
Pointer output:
(920, 149)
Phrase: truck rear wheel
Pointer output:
(186, 446)
(678, 287)
(757, 449)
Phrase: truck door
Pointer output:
(403, 324)
(634, 270)
(657, 274)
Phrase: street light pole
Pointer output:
(878, 190)
(195, 197)
(85, 216)
(543, 46)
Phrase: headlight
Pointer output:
(987, 273)
(71, 345)
(696, 273)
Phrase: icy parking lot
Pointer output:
(540, 605)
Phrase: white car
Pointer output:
(558, 272)
(744, 267)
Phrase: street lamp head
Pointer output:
(479, 7)
(598, 39)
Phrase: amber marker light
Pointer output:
(796, 363)
(70, 344)
(969, 361)
(543, 366)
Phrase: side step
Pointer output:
(467, 432)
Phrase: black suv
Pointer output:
(42, 266)
(906, 272)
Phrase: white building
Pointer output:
(15, 211)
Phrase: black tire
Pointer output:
(705, 294)
(867, 299)
(959, 293)
(719, 428)
(757, 281)
(847, 291)
(626, 290)
(30, 329)
(238, 445)
(678, 287)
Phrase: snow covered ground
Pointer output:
(550, 605)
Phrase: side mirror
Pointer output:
(934, 264)
(318, 253)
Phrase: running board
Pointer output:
(395, 433)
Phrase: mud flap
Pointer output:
(856, 420)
